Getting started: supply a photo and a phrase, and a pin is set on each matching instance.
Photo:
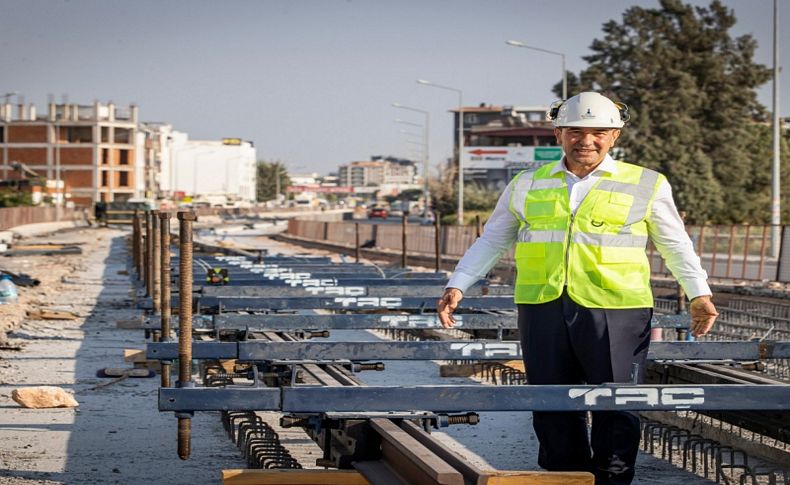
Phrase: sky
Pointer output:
(312, 82)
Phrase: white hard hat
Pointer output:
(589, 110)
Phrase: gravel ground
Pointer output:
(116, 435)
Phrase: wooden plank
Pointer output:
(539, 478)
(293, 477)
(131, 324)
(474, 370)
(412, 460)
(133, 355)
(137, 357)
(43, 314)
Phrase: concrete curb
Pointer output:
(38, 229)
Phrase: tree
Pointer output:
(266, 179)
(690, 88)
(11, 197)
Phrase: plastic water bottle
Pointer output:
(8, 293)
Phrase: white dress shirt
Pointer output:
(664, 227)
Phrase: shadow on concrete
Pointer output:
(118, 434)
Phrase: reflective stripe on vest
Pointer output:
(599, 252)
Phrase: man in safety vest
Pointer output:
(580, 228)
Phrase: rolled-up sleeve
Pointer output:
(668, 233)
(498, 236)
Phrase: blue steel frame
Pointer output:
(449, 398)
(260, 351)
(236, 304)
(286, 323)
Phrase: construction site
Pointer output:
(193, 349)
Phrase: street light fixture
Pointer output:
(460, 93)
(6, 96)
(516, 43)
(426, 154)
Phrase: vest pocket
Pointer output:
(540, 210)
(613, 209)
(530, 263)
(622, 268)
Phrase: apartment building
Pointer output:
(209, 168)
(88, 149)
(377, 172)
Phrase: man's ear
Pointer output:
(557, 133)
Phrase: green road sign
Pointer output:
(547, 153)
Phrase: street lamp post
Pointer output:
(426, 154)
(460, 93)
(516, 43)
(776, 214)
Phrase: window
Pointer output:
(124, 157)
(2, 134)
(122, 135)
(105, 156)
(77, 134)
(536, 116)
(470, 119)
(105, 134)
(104, 178)
(123, 179)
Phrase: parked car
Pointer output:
(381, 212)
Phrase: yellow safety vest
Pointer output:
(598, 253)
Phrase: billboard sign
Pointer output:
(320, 189)
(478, 159)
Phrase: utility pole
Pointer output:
(776, 214)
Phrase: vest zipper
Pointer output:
(568, 246)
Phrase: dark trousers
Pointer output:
(565, 343)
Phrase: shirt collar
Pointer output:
(607, 165)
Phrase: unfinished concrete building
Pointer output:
(91, 149)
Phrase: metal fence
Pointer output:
(18, 216)
(733, 252)
(737, 251)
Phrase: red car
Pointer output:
(378, 212)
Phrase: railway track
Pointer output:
(392, 445)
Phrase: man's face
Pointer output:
(586, 147)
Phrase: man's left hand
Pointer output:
(703, 314)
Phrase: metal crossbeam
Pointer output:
(355, 321)
(449, 398)
(248, 288)
(360, 280)
(348, 273)
(252, 350)
(235, 304)
(358, 321)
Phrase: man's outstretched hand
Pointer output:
(703, 314)
(447, 305)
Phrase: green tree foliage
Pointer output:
(266, 177)
(691, 89)
(444, 195)
(478, 200)
(15, 198)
